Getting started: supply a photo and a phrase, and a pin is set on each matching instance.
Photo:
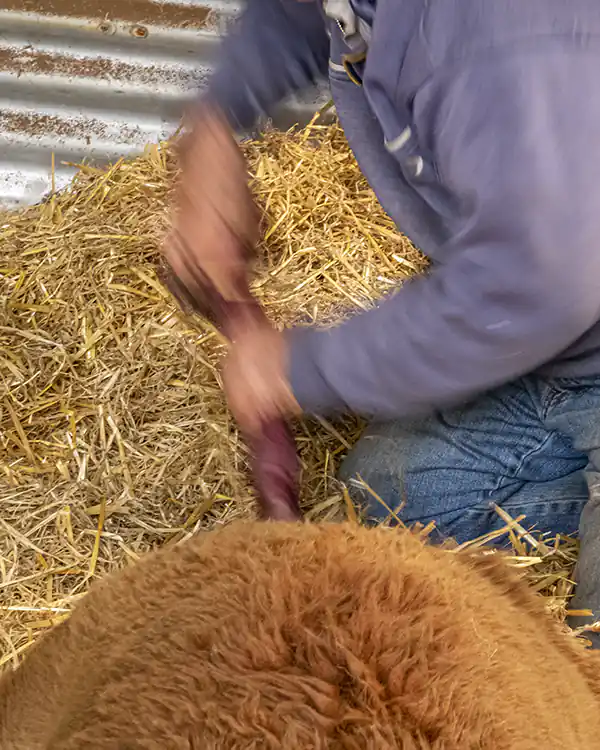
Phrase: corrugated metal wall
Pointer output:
(97, 80)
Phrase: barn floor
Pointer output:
(114, 436)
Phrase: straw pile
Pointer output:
(114, 435)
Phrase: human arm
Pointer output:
(276, 48)
(517, 142)
(520, 280)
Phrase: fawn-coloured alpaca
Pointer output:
(292, 636)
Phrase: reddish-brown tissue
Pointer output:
(274, 457)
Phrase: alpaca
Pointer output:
(296, 636)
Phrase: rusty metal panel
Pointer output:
(96, 80)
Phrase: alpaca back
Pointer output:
(296, 636)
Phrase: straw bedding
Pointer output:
(114, 435)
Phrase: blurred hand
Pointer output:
(215, 223)
(255, 378)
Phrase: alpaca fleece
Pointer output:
(290, 636)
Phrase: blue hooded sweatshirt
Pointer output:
(477, 124)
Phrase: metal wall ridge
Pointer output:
(97, 80)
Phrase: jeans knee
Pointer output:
(376, 493)
(375, 472)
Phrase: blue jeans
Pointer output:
(531, 447)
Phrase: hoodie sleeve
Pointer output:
(517, 142)
(276, 47)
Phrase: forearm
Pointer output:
(442, 340)
(505, 301)
(276, 48)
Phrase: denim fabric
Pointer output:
(532, 447)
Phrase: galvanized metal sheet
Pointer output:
(96, 80)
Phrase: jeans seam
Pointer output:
(556, 399)
(524, 457)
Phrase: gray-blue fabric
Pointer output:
(478, 127)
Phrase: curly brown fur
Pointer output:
(296, 636)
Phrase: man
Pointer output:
(478, 126)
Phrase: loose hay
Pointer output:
(114, 432)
